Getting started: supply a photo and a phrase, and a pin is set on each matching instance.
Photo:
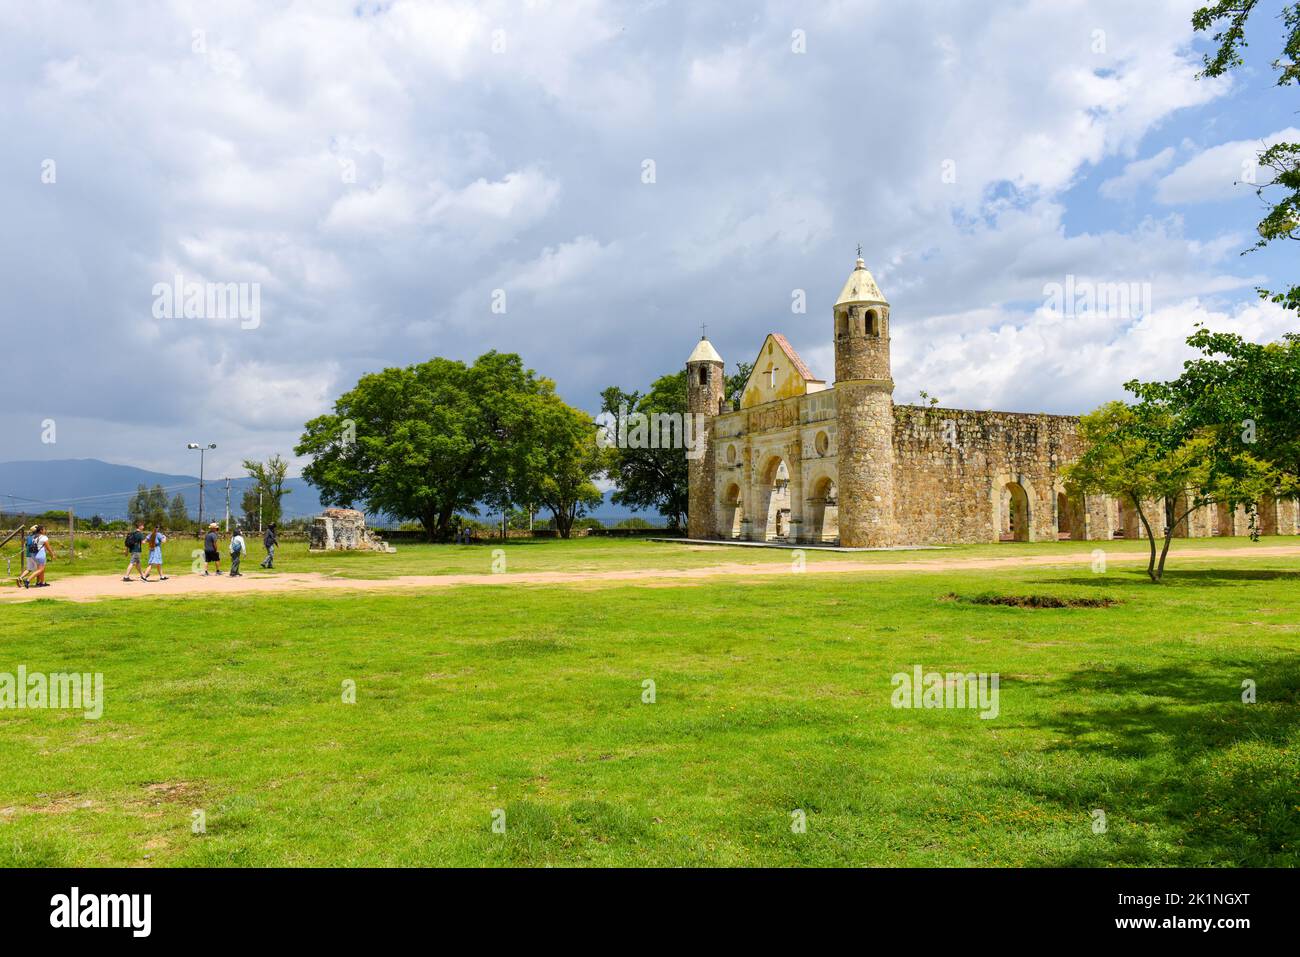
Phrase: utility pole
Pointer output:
(259, 509)
(227, 506)
(202, 451)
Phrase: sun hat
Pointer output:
(213, 525)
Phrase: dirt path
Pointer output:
(96, 587)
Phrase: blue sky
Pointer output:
(379, 170)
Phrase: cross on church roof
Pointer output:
(859, 250)
(703, 327)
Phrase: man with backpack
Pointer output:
(236, 553)
(134, 546)
(269, 541)
(29, 557)
(38, 546)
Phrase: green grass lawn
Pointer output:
(105, 556)
(771, 697)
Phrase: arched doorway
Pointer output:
(733, 513)
(825, 509)
(774, 499)
(1014, 513)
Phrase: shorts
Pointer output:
(211, 556)
(30, 563)
(40, 562)
(135, 558)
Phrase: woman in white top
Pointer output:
(155, 543)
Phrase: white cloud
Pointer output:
(1137, 174)
(381, 168)
(1226, 171)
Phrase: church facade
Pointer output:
(802, 461)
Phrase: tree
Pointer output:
(148, 506)
(1281, 195)
(736, 382)
(1246, 394)
(268, 491)
(650, 478)
(426, 441)
(1149, 455)
(568, 462)
(178, 516)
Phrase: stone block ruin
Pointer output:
(344, 529)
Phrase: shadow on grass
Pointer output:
(1199, 577)
(1185, 771)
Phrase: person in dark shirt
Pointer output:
(269, 541)
(211, 550)
(134, 545)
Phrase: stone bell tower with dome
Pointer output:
(864, 400)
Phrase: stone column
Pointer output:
(794, 462)
(1098, 519)
(747, 493)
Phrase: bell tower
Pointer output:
(706, 385)
(864, 402)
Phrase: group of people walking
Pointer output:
(136, 540)
(37, 551)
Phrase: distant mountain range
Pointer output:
(92, 487)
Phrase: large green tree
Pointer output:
(1245, 394)
(1281, 193)
(563, 462)
(1154, 458)
(426, 441)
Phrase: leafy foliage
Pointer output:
(430, 440)
(1282, 219)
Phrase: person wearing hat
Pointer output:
(211, 550)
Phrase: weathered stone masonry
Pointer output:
(803, 462)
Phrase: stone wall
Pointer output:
(953, 466)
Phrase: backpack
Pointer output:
(133, 540)
(235, 547)
(31, 545)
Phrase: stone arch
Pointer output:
(1070, 512)
(1014, 510)
(871, 324)
(733, 512)
(772, 516)
(824, 511)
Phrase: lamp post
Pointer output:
(202, 451)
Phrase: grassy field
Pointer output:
(105, 556)
(770, 697)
